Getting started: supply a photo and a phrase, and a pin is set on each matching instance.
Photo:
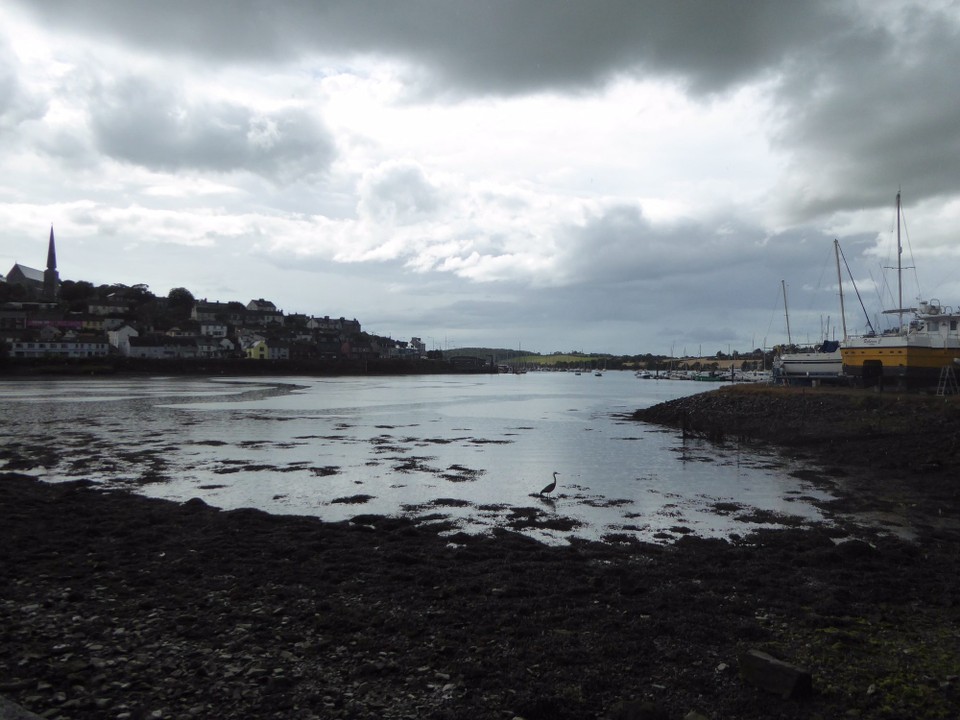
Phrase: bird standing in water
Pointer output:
(550, 488)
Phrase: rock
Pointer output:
(637, 710)
(341, 630)
(11, 711)
(776, 676)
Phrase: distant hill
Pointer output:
(506, 355)
(499, 354)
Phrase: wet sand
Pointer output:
(117, 606)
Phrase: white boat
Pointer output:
(917, 352)
(753, 376)
(821, 363)
(824, 362)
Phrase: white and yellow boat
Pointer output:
(914, 353)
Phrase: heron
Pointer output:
(550, 488)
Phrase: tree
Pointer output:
(76, 295)
(13, 293)
(72, 291)
(140, 294)
(181, 302)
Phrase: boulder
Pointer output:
(776, 676)
(12, 711)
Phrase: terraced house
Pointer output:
(40, 317)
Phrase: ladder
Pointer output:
(948, 382)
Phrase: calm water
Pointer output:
(475, 449)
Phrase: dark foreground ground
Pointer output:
(116, 606)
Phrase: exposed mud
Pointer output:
(117, 606)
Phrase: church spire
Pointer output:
(51, 278)
(51, 253)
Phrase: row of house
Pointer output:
(257, 331)
(114, 325)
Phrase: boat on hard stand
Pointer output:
(917, 352)
(822, 363)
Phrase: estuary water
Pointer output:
(473, 450)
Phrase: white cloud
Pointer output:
(613, 177)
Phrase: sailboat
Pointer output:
(823, 363)
(916, 351)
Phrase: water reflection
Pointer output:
(472, 449)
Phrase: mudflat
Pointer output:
(117, 606)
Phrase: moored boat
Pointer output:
(711, 376)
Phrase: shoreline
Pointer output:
(118, 606)
(13, 368)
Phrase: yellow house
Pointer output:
(258, 351)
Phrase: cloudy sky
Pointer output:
(619, 176)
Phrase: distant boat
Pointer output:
(916, 352)
(519, 368)
(753, 376)
(710, 376)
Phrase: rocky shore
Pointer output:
(117, 606)
(897, 452)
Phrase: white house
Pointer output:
(162, 347)
(82, 346)
(120, 339)
(214, 329)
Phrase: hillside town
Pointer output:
(42, 317)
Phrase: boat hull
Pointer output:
(879, 360)
(804, 367)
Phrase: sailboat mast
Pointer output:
(783, 285)
(843, 314)
(899, 271)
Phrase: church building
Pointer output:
(45, 282)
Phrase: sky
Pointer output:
(622, 176)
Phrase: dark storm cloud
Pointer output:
(823, 110)
(622, 244)
(498, 46)
(187, 134)
(872, 107)
(854, 85)
(695, 281)
(708, 280)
